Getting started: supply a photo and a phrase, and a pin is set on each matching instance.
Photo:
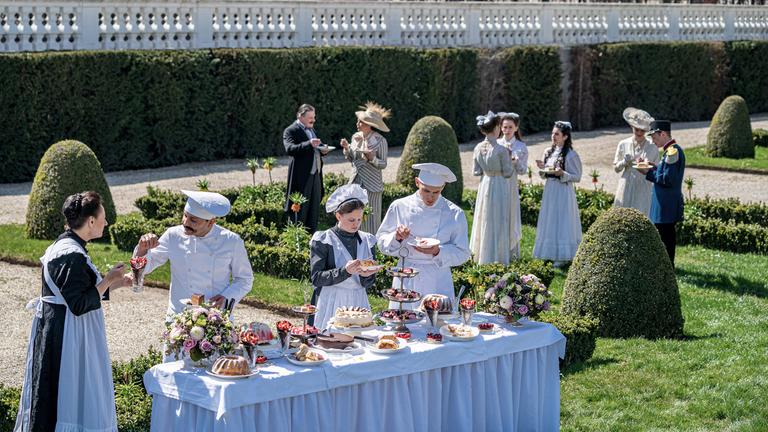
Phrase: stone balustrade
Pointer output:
(66, 25)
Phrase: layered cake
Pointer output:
(352, 316)
(231, 365)
(442, 302)
(334, 340)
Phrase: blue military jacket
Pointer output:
(667, 177)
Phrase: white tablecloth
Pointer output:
(505, 381)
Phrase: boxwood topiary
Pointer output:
(760, 137)
(67, 167)
(730, 133)
(432, 139)
(580, 334)
(622, 276)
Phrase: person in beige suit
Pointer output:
(368, 154)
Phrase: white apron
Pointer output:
(349, 292)
(86, 397)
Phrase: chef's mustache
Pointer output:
(188, 228)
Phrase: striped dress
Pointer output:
(368, 173)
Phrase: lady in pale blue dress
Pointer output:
(513, 141)
(558, 231)
(491, 225)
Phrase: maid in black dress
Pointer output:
(68, 378)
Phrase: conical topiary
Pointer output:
(622, 276)
(432, 139)
(67, 167)
(730, 133)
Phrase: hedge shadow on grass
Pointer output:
(731, 284)
(589, 364)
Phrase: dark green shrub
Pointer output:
(748, 72)
(580, 336)
(67, 167)
(252, 230)
(730, 133)
(728, 209)
(161, 204)
(129, 228)
(134, 408)
(260, 194)
(723, 235)
(267, 213)
(432, 139)
(532, 79)
(394, 191)
(760, 137)
(9, 406)
(608, 282)
(278, 261)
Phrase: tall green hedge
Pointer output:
(155, 108)
(748, 72)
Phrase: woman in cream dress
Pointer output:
(634, 190)
(558, 231)
(512, 140)
(491, 226)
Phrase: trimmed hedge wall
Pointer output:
(140, 109)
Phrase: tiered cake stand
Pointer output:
(402, 296)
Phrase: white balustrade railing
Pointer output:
(37, 25)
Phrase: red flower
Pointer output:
(284, 326)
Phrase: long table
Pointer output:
(508, 380)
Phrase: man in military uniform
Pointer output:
(667, 178)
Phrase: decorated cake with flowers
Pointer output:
(516, 297)
(199, 332)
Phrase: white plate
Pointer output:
(326, 148)
(424, 242)
(351, 329)
(401, 346)
(447, 334)
(354, 348)
(293, 360)
(231, 377)
(372, 268)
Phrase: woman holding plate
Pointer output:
(338, 255)
(558, 231)
(368, 155)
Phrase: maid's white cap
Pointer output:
(206, 205)
(344, 194)
(434, 174)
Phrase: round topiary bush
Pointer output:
(432, 139)
(760, 137)
(730, 133)
(622, 276)
(67, 167)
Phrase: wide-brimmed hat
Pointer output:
(374, 114)
(637, 118)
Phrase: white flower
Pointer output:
(197, 333)
(217, 339)
(539, 299)
(506, 302)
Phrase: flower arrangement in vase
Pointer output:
(516, 297)
(200, 333)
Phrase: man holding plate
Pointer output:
(430, 230)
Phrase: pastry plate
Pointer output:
(638, 166)
(419, 316)
(326, 148)
(354, 348)
(401, 346)
(232, 377)
(376, 267)
(350, 329)
(546, 171)
(424, 242)
(447, 334)
(293, 360)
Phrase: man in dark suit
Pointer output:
(667, 178)
(305, 172)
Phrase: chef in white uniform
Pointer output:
(427, 214)
(205, 258)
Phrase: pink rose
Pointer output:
(189, 344)
(206, 346)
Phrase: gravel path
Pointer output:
(134, 321)
(596, 149)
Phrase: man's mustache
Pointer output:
(188, 228)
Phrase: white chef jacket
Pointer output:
(211, 265)
(444, 221)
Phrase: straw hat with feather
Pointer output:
(637, 118)
(374, 114)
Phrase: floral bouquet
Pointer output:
(199, 332)
(516, 297)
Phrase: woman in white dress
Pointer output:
(558, 231)
(634, 190)
(513, 141)
(336, 254)
(68, 377)
(491, 225)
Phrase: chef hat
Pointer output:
(434, 174)
(206, 205)
(343, 194)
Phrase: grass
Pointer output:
(696, 158)
(716, 379)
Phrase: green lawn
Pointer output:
(715, 379)
(695, 157)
